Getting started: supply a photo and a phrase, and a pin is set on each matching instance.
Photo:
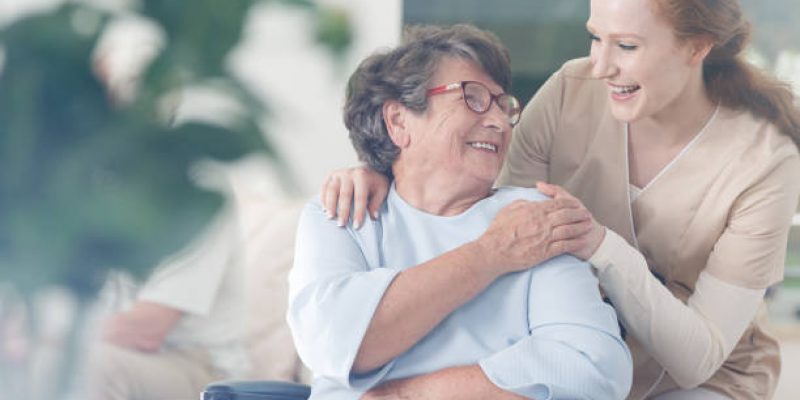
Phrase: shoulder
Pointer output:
(579, 68)
(575, 89)
(762, 145)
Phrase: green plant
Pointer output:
(88, 183)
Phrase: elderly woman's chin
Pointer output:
(485, 167)
(478, 177)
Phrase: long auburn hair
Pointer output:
(729, 79)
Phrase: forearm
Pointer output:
(144, 327)
(417, 300)
(691, 341)
(464, 382)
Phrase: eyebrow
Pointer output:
(616, 35)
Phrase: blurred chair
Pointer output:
(256, 390)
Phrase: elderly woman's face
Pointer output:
(449, 138)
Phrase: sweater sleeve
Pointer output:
(691, 341)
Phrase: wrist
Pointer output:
(477, 260)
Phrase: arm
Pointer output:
(728, 291)
(186, 283)
(573, 351)
(464, 383)
(397, 309)
(142, 328)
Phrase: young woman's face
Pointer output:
(635, 52)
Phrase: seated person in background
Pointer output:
(440, 296)
(180, 331)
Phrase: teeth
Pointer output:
(624, 89)
(484, 145)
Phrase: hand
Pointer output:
(575, 230)
(518, 237)
(361, 186)
(144, 327)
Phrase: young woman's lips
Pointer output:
(623, 92)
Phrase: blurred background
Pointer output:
(126, 125)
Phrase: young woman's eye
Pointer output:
(627, 47)
(594, 38)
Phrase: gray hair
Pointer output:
(403, 74)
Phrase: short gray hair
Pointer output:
(403, 74)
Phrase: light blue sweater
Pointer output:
(543, 333)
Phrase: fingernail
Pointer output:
(358, 224)
(374, 215)
(340, 223)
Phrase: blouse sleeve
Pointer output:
(333, 295)
(529, 154)
(573, 349)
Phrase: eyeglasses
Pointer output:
(479, 99)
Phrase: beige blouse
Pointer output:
(713, 227)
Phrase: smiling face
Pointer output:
(451, 142)
(647, 70)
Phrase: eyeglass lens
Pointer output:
(479, 99)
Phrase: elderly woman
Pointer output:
(442, 281)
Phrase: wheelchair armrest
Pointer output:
(256, 390)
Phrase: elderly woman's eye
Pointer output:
(473, 101)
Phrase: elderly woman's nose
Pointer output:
(495, 118)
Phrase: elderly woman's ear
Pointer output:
(394, 116)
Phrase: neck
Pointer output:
(436, 195)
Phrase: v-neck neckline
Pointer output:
(671, 163)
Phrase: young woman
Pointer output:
(687, 158)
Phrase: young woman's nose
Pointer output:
(602, 61)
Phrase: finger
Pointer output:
(560, 247)
(377, 198)
(549, 206)
(323, 191)
(566, 216)
(359, 204)
(546, 188)
(345, 201)
(566, 202)
(571, 231)
(554, 191)
(331, 197)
